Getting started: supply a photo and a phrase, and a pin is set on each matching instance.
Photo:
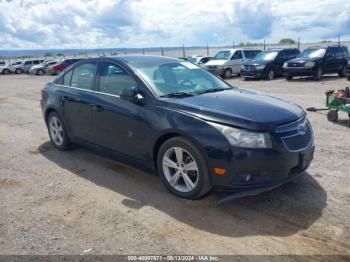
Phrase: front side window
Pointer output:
(67, 77)
(113, 79)
(250, 54)
(237, 55)
(178, 77)
(83, 76)
(223, 55)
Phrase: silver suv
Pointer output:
(24, 66)
(6, 69)
(228, 62)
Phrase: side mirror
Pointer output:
(131, 94)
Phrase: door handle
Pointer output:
(96, 108)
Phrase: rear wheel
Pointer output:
(183, 168)
(332, 116)
(318, 74)
(227, 73)
(57, 131)
(348, 77)
(289, 77)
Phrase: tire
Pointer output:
(289, 77)
(318, 74)
(6, 71)
(270, 74)
(168, 167)
(19, 71)
(57, 132)
(227, 73)
(342, 72)
(348, 77)
(40, 72)
(332, 116)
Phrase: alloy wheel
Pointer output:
(180, 169)
(56, 131)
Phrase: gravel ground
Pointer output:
(77, 202)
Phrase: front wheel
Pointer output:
(270, 74)
(227, 73)
(6, 72)
(19, 71)
(318, 74)
(40, 72)
(289, 77)
(183, 168)
(57, 131)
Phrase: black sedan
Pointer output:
(170, 116)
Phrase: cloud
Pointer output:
(144, 23)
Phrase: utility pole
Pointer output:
(233, 44)
(298, 42)
(183, 51)
(207, 49)
(143, 51)
(264, 45)
(162, 51)
(338, 39)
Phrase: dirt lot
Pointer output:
(76, 202)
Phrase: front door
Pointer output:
(120, 124)
(236, 62)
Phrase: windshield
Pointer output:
(192, 59)
(313, 52)
(225, 55)
(266, 55)
(178, 77)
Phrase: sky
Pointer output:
(37, 24)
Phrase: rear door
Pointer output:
(330, 61)
(280, 59)
(77, 99)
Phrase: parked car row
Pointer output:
(37, 67)
(289, 62)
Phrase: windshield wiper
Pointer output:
(177, 94)
(212, 90)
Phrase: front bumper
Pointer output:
(217, 71)
(253, 73)
(299, 71)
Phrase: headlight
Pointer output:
(285, 65)
(309, 64)
(260, 67)
(243, 138)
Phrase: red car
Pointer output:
(59, 67)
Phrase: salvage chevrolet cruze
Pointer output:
(170, 116)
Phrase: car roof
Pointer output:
(133, 59)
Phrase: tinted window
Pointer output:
(338, 52)
(28, 63)
(249, 54)
(83, 76)
(237, 55)
(67, 77)
(114, 79)
(36, 62)
(281, 55)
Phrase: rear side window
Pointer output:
(338, 53)
(83, 76)
(113, 79)
(28, 63)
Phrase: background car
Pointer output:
(2, 63)
(176, 119)
(228, 62)
(268, 64)
(316, 61)
(199, 60)
(41, 68)
(60, 66)
(6, 69)
(347, 72)
(24, 66)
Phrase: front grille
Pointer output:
(249, 67)
(300, 140)
(295, 65)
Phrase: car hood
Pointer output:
(302, 60)
(257, 62)
(217, 62)
(238, 107)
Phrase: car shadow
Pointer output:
(325, 78)
(342, 121)
(280, 212)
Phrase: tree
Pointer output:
(287, 41)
